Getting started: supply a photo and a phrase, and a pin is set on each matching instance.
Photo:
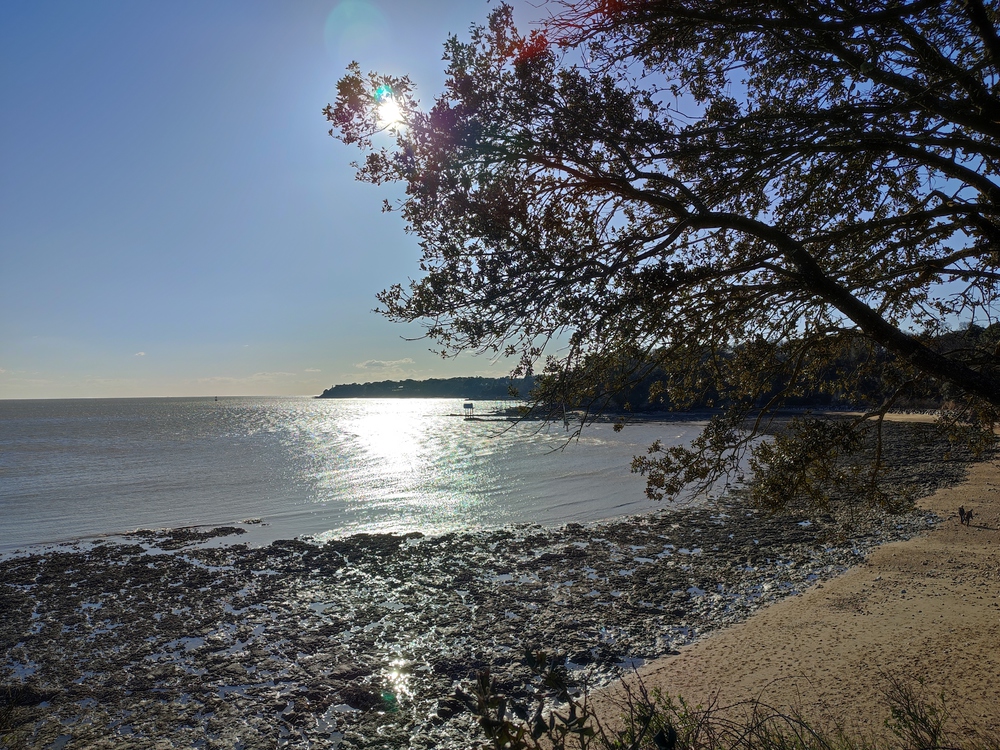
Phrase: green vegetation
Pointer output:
(730, 204)
(561, 718)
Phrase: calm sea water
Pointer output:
(73, 469)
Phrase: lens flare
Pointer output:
(356, 30)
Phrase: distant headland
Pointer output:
(470, 388)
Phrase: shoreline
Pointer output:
(360, 641)
(925, 610)
(366, 636)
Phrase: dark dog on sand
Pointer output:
(964, 516)
(968, 517)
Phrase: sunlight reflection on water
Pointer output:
(305, 466)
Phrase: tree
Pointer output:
(736, 194)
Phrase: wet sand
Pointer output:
(924, 609)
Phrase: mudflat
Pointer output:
(925, 609)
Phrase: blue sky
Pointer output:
(174, 218)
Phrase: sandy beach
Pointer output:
(925, 609)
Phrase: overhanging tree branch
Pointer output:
(745, 238)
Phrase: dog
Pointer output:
(968, 517)
(961, 514)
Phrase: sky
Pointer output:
(175, 219)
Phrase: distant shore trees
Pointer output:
(491, 389)
(756, 201)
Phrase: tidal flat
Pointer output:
(156, 640)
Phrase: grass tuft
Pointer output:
(558, 717)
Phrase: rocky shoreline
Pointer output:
(160, 641)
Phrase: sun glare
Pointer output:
(389, 113)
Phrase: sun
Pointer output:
(389, 113)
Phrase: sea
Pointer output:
(82, 469)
